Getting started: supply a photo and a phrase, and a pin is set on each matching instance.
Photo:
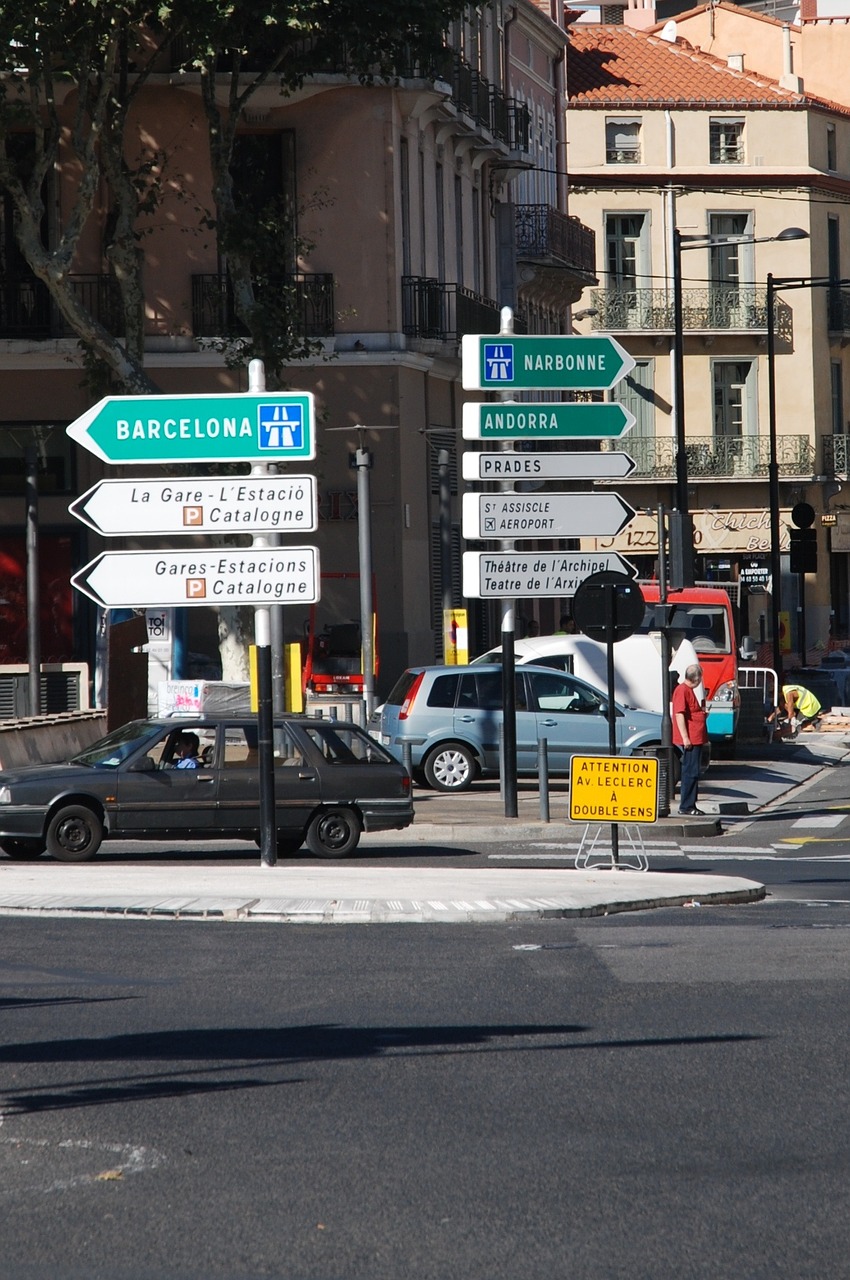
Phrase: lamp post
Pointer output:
(681, 527)
(775, 283)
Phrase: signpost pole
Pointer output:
(33, 595)
(363, 465)
(265, 714)
(611, 635)
(666, 721)
(509, 783)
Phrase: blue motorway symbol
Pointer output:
(281, 426)
(499, 361)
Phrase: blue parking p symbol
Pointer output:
(499, 362)
(281, 427)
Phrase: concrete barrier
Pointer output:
(48, 739)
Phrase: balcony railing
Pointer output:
(836, 455)
(721, 457)
(442, 311)
(27, 311)
(309, 298)
(838, 309)
(720, 307)
(546, 234)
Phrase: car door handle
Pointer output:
(549, 722)
(309, 774)
(205, 777)
(466, 719)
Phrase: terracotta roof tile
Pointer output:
(622, 65)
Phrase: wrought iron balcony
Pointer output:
(720, 307)
(836, 455)
(721, 457)
(27, 311)
(838, 310)
(546, 235)
(309, 298)
(441, 311)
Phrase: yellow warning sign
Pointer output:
(613, 789)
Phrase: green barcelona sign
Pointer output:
(263, 426)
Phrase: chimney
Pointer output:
(788, 80)
(735, 61)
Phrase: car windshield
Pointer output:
(114, 749)
(705, 625)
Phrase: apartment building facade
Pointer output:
(662, 135)
(424, 205)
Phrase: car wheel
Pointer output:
(75, 834)
(288, 845)
(22, 850)
(451, 767)
(333, 833)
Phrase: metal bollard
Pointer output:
(543, 777)
(407, 757)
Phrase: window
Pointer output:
(622, 141)
(444, 691)
(730, 271)
(459, 273)
(404, 176)
(726, 141)
(837, 393)
(831, 161)
(637, 393)
(439, 200)
(263, 171)
(627, 254)
(561, 693)
(733, 413)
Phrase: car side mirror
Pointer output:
(145, 765)
(749, 649)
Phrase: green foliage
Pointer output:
(97, 55)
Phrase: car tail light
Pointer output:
(405, 782)
(407, 705)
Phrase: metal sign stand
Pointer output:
(587, 850)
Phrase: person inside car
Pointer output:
(186, 751)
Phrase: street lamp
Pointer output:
(681, 531)
(775, 283)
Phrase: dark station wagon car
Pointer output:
(332, 782)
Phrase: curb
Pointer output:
(515, 829)
(370, 911)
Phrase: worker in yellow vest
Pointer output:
(801, 706)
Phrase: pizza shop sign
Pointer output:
(732, 531)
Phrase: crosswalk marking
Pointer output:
(820, 820)
(696, 852)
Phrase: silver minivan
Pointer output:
(450, 717)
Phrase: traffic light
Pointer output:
(804, 550)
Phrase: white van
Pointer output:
(637, 664)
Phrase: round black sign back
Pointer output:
(803, 515)
(608, 606)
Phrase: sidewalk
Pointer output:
(346, 892)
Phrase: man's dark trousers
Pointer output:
(690, 777)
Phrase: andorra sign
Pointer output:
(513, 421)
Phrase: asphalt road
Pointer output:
(653, 1095)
